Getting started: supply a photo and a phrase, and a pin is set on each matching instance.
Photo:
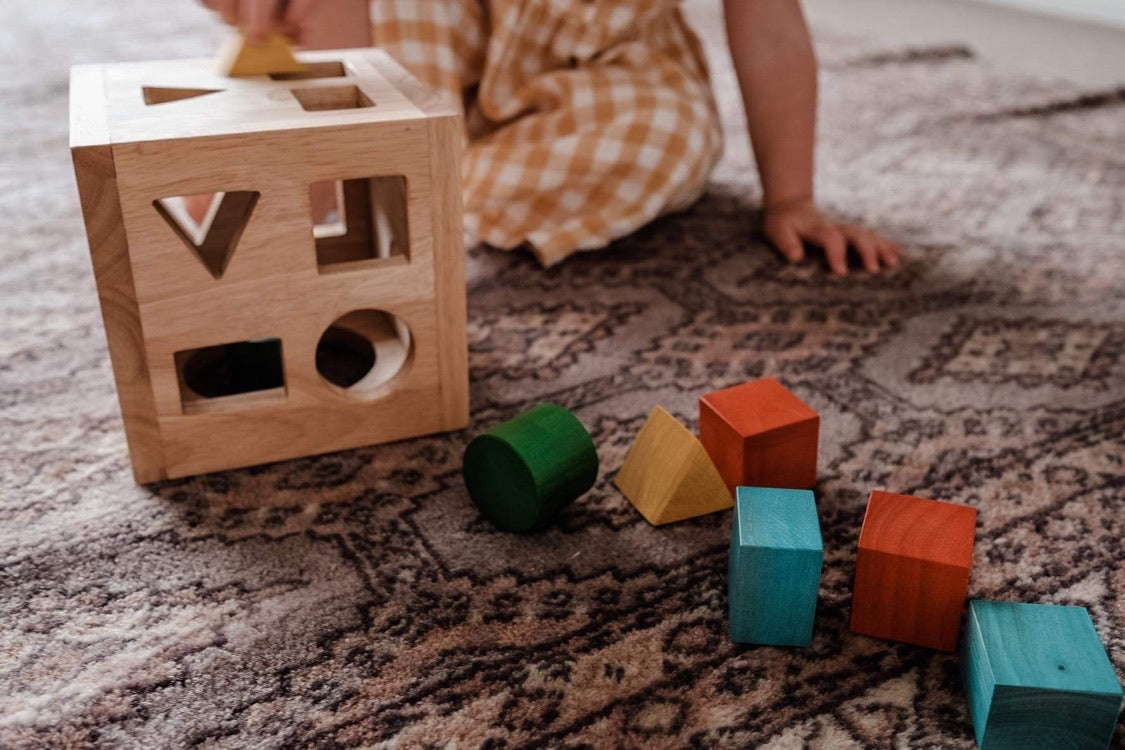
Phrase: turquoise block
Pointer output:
(1037, 676)
(775, 559)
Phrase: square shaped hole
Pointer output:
(359, 220)
(230, 376)
(331, 98)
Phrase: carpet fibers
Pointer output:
(357, 599)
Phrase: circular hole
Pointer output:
(344, 357)
(363, 350)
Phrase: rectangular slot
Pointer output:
(359, 221)
(328, 98)
(229, 377)
(328, 69)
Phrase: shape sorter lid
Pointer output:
(131, 102)
(1042, 646)
(777, 518)
(758, 407)
(919, 528)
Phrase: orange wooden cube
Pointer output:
(759, 434)
(912, 569)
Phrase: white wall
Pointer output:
(1111, 12)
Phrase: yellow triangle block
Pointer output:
(668, 475)
(240, 57)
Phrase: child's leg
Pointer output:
(594, 146)
(618, 151)
(585, 126)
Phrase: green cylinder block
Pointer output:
(524, 471)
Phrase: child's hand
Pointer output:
(309, 23)
(789, 225)
(258, 18)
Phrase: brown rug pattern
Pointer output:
(357, 599)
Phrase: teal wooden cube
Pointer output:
(1037, 676)
(775, 559)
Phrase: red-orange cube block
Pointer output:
(759, 434)
(912, 569)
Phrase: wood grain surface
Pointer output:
(759, 434)
(667, 474)
(912, 569)
(253, 138)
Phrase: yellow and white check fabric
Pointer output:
(585, 119)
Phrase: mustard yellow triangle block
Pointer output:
(240, 57)
(668, 475)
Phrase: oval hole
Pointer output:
(344, 357)
(363, 350)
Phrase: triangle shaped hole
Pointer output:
(165, 94)
(210, 224)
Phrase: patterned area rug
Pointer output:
(357, 599)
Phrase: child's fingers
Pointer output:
(786, 239)
(890, 253)
(298, 10)
(866, 244)
(227, 10)
(835, 247)
(257, 18)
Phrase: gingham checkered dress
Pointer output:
(585, 119)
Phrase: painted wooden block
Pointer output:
(200, 195)
(912, 569)
(1037, 676)
(240, 57)
(523, 472)
(776, 556)
(668, 475)
(760, 435)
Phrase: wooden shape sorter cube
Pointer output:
(279, 259)
(668, 476)
(776, 555)
(760, 435)
(1037, 675)
(912, 569)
